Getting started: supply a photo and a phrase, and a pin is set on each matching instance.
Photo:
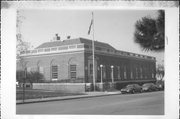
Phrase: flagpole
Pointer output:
(94, 80)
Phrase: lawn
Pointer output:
(34, 93)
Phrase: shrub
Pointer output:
(29, 77)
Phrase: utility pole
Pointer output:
(89, 31)
(94, 79)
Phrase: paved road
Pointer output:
(130, 104)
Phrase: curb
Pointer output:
(61, 99)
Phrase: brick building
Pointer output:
(71, 59)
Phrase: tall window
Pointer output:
(141, 74)
(73, 71)
(54, 72)
(91, 68)
(125, 75)
(104, 72)
(119, 72)
(152, 73)
(41, 70)
(131, 74)
(28, 69)
(136, 73)
(145, 70)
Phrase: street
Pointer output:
(151, 103)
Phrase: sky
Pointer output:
(115, 27)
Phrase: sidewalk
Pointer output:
(86, 95)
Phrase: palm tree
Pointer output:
(149, 33)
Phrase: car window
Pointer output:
(147, 84)
(129, 86)
(136, 85)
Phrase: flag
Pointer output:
(89, 31)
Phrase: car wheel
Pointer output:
(141, 91)
(133, 91)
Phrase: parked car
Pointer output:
(147, 87)
(160, 85)
(131, 88)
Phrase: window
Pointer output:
(145, 72)
(141, 74)
(91, 68)
(41, 70)
(119, 73)
(152, 74)
(73, 71)
(136, 73)
(125, 76)
(104, 72)
(131, 74)
(80, 46)
(86, 46)
(54, 72)
(28, 69)
(98, 48)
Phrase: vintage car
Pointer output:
(147, 87)
(131, 88)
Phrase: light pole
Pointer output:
(101, 73)
(112, 74)
(101, 66)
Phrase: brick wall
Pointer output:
(129, 63)
(64, 87)
(62, 60)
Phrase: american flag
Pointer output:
(89, 31)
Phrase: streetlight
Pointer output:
(101, 66)
(101, 73)
(112, 75)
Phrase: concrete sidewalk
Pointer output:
(86, 95)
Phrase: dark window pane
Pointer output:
(55, 72)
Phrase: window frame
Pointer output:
(73, 70)
(54, 72)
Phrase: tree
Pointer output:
(160, 72)
(34, 77)
(160, 75)
(31, 77)
(149, 33)
(20, 75)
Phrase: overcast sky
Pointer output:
(115, 27)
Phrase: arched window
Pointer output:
(40, 67)
(72, 68)
(54, 70)
(73, 71)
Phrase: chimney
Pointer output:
(57, 37)
(68, 37)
